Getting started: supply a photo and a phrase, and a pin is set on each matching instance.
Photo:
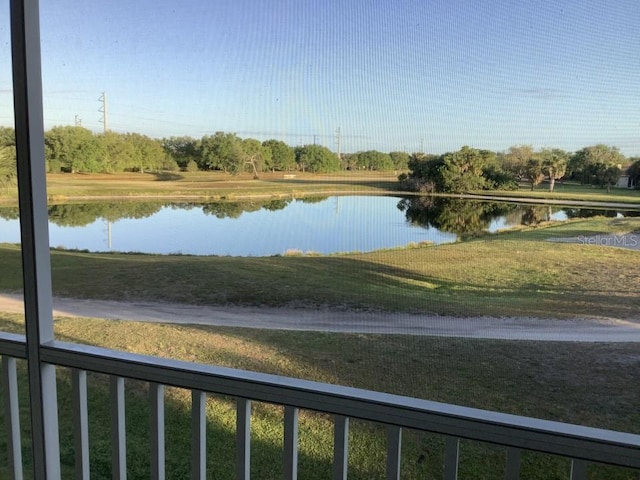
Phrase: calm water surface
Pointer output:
(334, 224)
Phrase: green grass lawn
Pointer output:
(592, 384)
(513, 273)
(210, 185)
(217, 185)
(570, 191)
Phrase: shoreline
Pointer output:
(232, 197)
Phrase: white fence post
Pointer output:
(34, 231)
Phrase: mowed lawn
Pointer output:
(592, 384)
(570, 191)
(216, 185)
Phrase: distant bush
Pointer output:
(191, 166)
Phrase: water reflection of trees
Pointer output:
(79, 215)
(462, 217)
(312, 199)
(235, 209)
(9, 213)
(469, 217)
(82, 214)
(592, 212)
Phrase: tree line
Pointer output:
(471, 169)
(76, 149)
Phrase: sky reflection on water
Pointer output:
(336, 224)
(253, 228)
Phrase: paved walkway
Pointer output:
(576, 330)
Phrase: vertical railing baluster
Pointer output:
(156, 397)
(118, 432)
(80, 423)
(578, 469)
(243, 438)
(451, 458)
(512, 471)
(340, 447)
(394, 448)
(290, 443)
(198, 435)
(12, 416)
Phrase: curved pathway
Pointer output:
(572, 330)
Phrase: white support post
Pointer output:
(290, 443)
(243, 438)
(394, 448)
(198, 435)
(156, 397)
(80, 423)
(118, 430)
(340, 447)
(12, 416)
(578, 469)
(512, 472)
(451, 457)
(32, 195)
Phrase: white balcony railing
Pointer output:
(582, 445)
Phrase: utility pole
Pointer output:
(314, 138)
(339, 139)
(103, 109)
(78, 121)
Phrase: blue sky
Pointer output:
(393, 75)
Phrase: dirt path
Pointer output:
(576, 330)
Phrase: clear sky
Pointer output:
(393, 75)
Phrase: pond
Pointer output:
(276, 227)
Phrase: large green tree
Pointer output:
(222, 151)
(148, 153)
(534, 171)
(283, 157)
(516, 160)
(400, 160)
(255, 156)
(462, 171)
(554, 164)
(316, 159)
(119, 154)
(424, 173)
(607, 175)
(588, 163)
(182, 150)
(74, 149)
(373, 160)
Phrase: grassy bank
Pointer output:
(217, 185)
(569, 191)
(513, 273)
(593, 384)
(211, 185)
